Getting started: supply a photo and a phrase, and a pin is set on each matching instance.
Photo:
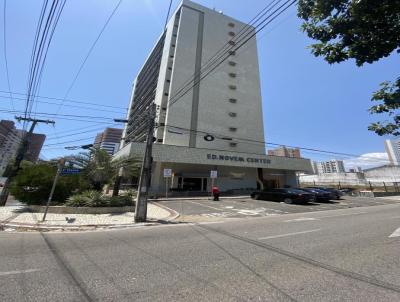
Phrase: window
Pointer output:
(232, 42)
(232, 114)
(233, 101)
(233, 87)
(232, 63)
(166, 93)
(232, 52)
(171, 56)
(230, 24)
(164, 108)
(232, 75)
(232, 129)
(233, 144)
(168, 81)
(173, 45)
(160, 140)
(232, 34)
(169, 68)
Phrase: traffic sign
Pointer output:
(167, 172)
(70, 171)
(214, 174)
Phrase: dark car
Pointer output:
(320, 195)
(287, 195)
(336, 193)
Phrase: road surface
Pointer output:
(336, 255)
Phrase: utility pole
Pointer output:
(22, 149)
(60, 166)
(145, 173)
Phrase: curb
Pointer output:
(35, 227)
(196, 198)
(173, 214)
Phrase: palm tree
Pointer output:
(125, 168)
(99, 168)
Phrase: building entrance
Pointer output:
(192, 184)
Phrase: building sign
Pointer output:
(213, 174)
(167, 172)
(253, 160)
(70, 171)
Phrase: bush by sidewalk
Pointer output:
(97, 199)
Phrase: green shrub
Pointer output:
(33, 183)
(96, 199)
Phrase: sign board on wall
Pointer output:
(214, 174)
(167, 172)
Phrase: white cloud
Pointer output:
(367, 160)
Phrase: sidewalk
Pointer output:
(16, 218)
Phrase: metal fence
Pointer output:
(377, 186)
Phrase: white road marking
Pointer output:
(301, 219)
(395, 233)
(204, 205)
(228, 207)
(289, 234)
(337, 215)
(19, 272)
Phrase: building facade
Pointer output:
(109, 140)
(286, 152)
(10, 138)
(392, 148)
(9, 141)
(330, 166)
(204, 123)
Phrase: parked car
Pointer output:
(287, 195)
(336, 193)
(347, 190)
(320, 195)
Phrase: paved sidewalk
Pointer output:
(16, 217)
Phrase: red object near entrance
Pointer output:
(215, 192)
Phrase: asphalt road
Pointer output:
(195, 210)
(335, 255)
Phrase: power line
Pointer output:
(279, 11)
(89, 53)
(169, 10)
(225, 137)
(69, 106)
(66, 100)
(5, 52)
(243, 33)
(40, 49)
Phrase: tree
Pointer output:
(96, 167)
(99, 169)
(364, 30)
(33, 183)
(127, 168)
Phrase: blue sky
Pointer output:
(306, 101)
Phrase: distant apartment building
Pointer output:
(10, 137)
(392, 147)
(331, 166)
(9, 140)
(286, 152)
(109, 140)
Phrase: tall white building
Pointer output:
(392, 148)
(224, 106)
(330, 166)
(10, 138)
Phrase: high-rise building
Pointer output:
(286, 152)
(209, 117)
(10, 138)
(331, 166)
(392, 147)
(36, 142)
(9, 141)
(109, 140)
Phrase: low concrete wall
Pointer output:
(377, 194)
(80, 210)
